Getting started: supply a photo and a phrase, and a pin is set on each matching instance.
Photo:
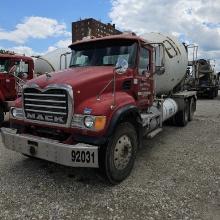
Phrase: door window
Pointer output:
(4, 65)
(144, 64)
(22, 69)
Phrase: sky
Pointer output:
(35, 27)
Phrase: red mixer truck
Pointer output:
(25, 68)
(95, 114)
(10, 81)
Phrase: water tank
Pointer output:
(173, 56)
(52, 61)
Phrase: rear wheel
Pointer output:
(192, 108)
(216, 92)
(212, 94)
(117, 158)
(2, 116)
(182, 117)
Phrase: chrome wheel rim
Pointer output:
(122, 152)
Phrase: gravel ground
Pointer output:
(176, 176)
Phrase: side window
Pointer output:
(144, 64)
(21, 67)
(25, 68)
(158, 57)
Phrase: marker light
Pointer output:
(100, 123)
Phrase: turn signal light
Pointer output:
(100, 123)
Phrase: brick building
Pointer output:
(93, 28)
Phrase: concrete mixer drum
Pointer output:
(171, 61)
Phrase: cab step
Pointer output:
(154, 133)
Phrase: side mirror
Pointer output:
(23, 75)
(160, 70)
(121, 65)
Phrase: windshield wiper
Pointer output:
(75, 65)
(80, 65)
(107, 64)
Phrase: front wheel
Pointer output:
(119, 155)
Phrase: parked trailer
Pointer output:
(95, 114)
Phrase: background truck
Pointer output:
(26, 69)
(202, 76)
(10, 82)
(117, 90)
(55, 60)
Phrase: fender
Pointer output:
(119, 114)
(115, 119)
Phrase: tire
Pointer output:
(212, 94)
(192, 108)
(182, 117)
(216, 92)
(2, 116)
(118, 156)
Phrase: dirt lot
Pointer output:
(176, 176)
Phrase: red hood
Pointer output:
(75, 76)
(86, 82)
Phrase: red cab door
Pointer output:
(144, 79)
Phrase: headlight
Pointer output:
(13, 112)
(89, 121)
(17, 113)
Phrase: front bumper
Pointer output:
(78, 155)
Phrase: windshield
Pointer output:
(4, 65)
(103, 53)
(204, 78)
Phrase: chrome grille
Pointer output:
(49, 106)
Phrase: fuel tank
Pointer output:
(173, 56)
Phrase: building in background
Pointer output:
(92, 28)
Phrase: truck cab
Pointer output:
(11, 82)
